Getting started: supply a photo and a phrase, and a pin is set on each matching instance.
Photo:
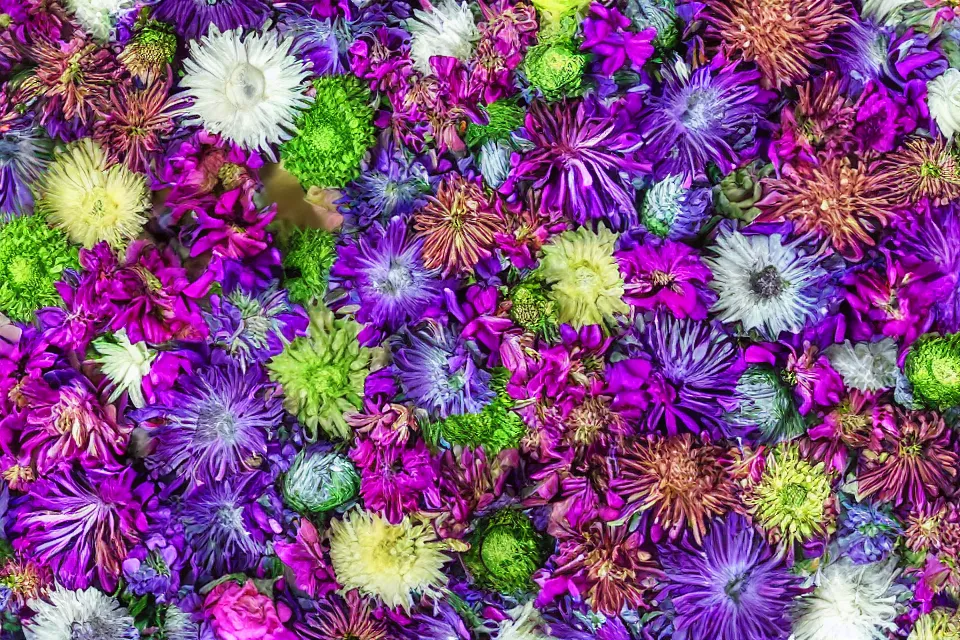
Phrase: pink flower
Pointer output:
(237, 612)
(668, 275)
(305, 557)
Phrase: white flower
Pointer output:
(88, 614)
(447, 30)
(763, 283)
(883, 11)
(851, 602)
(494, 161)
(177, 625)
(524, 624)
(125, 364)
(866, 366)
(943, 99)
(247, 88)
(98, 17)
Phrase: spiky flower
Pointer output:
(194, 18)
(555, 67)
(939, 624)
(670, 210)
(322, 374)
(125, 364)
(680, 478)
(505, 551)
(585, 279)
(866, 366)
(390, 562)
(89, 614)
(99, 17)
(24, 156)
(922, 169)
(347, 618)
(91, 200)
(32, 258)
(150, 50)
(307, 260)
(933, 368)
(333, 135)
(318, 482)
(766, 405)
(446, 29)
(792, 501)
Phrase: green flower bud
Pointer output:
(306, 262)
(533, 310)
(505, 552)
(33, 257)
(555, 67)
(320, 482)
(933, 368)
(503, 118)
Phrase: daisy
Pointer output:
(79, 614)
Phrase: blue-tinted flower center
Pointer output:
(767, 282)
(216, 422)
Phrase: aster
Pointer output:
(867, 533)
(933, 368)
(151, 49)
(99, 17)
(584, 277)
(766, 406)
(765, 284)
(321, 40)
(33, 256)
(505, 551)
(124, 364)
(24, 156)
(672, 210)
(83, 524)
(667, 275)
(393, 185)
(583, 160)
(934, 240)
(444, 623)
(246, 87)
(318, 482)
(733, 586)
(681, 479)
(447, 29)
(307, 260)
(88, 613)
(339, 618)
(322, 374)
(390, 562)
(917, 461)
(23, 580)
(91, 200)
(866, 366)
(555, 68)
(195, 18)
(922, 169)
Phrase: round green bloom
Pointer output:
(555, 68)
(322, 374)
(320, 482)
(505, 551)
(306, 262)
(939, 624)
(766, 403)
(495, 428)
(154, 44)
(334, 134)
(33, 256)
(533, 310)
(737, 194)
(933, 368)
(504, 117)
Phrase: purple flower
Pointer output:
(668, 276)
(393, 479)
(24, 155)
(866, 533)
(934, 240)
(192, 18)
(607, 34)
(443, 623)
(312, 573)
(150, 575)
(315, 40)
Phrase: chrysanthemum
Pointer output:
(447, 29)
(193, 18)
(942, 93)
(922, 169)
(440, 373)
(835, 199)
(390, 562)
(214, 425)
(733, 587)
(24, 156)
(89, 614)
(532, 309)
(867, 533)
(765, 284)
(92, 201)
(32, 258)
(585, 278)
(83, 523)
(918, 462)
(866, 366)
(318, 482)
(939, 624)
(125, 364)
(505, 551)
(99, 17)
(337, 618)
(245, 87)
(307, 260)
(322, 374)
(765, 405)
(150, 50)
(457, 226)
(555, 68)
(679, 478)
(792, 502)
(495, 428)
(671, 210)
(933, 368)
(785, 50)
(854, 602)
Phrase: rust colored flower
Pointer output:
(680, 478)
(922, 169)
(933, 527)
(918, 462)
(458, 226)
(854, 424)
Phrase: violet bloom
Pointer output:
(233, 228)
(150, 575)
(874, 52)
(935, 240)
(443, 623)
(306, 558)
(24, 155)
(393, 479)
(607, 34)
(315, 40)
(867, 534)
(583, 160)
(735, 586)
(667, 276)
(192, 18)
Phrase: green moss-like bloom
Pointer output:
(505, 551)
(791, 500)
(766, 404)
(504, 117)
(322, 374)
(739, 191)
(933, 368)
(939, 624)
(310, 254)
(33, 257)
(555, 68)
(334, 134)
(533, 310)
(320, 482)
(495, 428)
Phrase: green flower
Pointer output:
(766, 403)
(533, 310)
(738, 192)
(320, 482)
(939, 624)
(504, 117)
(555, 67)
(933, 368)
(310, 254)
(322, 374)
(505, 551)
(334, 134)
(495, 428)
(32, 258)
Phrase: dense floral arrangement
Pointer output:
(479, 319)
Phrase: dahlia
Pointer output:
(933, 368)
(194, 18)
(667, 275)
(318, 482)
(447, 29)
(505, 551)
(89, 613)
(32, 258)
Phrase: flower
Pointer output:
(555, 67)
(238, 612)
(943, 100)
(395, 479)
(393, 185)
(739, 191)
(855, 602)
(245, 87)
(310, 254)
(933, 368)
(553, 10)
(505, 551)
(387, 561)
(150, 50)
(193, 19)
(32, 258)
(531, 309)
(524, 623)
(667, 275)
(24, 156)
(91, 200)
(679, 478)
(866, 366)
(322, 374)
(766, 404)
(495, 428)
(673, 211)
(733, 586)
(178, 624)
(99, 17)
(340, 618)
(867, 534)
(320, 482)
(585, 278)
(333, 135)
(63, 613)
(939, 624)
(922, 169)
(765, 284)
(447, 29)
(125, 364)
(607, 34)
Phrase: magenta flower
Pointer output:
(668, 276)
(306, 558)
(607, 34)
(393, 479)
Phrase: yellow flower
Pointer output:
(587, 285)
(91, 200)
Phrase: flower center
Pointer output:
(246, 86)
(734, 588)
(661, 278)
(793, 495)
(397, 281)
(930, 170)
(22, 271)
(216, 422)
(5, 20)
(766, 283)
